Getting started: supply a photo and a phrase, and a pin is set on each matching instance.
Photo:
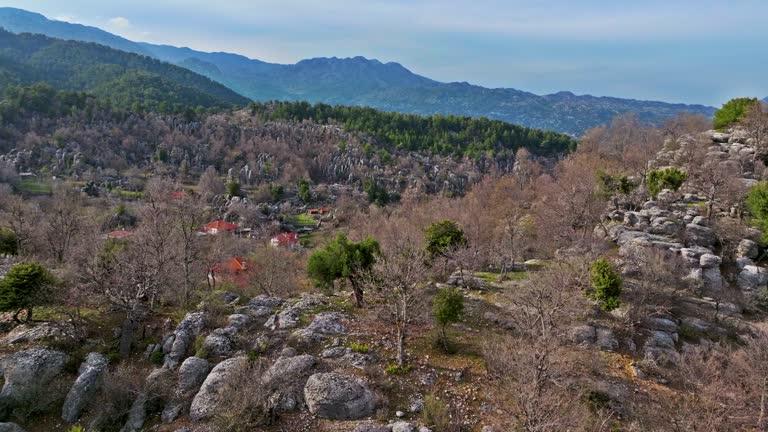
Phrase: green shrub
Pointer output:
(668, 178)
(757, 203)
(447, 308)
(597, 400)
(359, 347)
(25, 286)
(233, 189)
(76, 428)
(436, 414)
(198, 347)
(606, 284)
(395, 369)
(732, 112)
(443, 236)
(304, 192)
(9, 243)
(157, 357)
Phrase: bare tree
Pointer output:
(187, 217)
(399, 275)
(63, 220)
(756, 124)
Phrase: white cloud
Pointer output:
(120, 22)
(67, 18)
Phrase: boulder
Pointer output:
(661, 324)
(28, 372)
(192, 373)
(324, 324)
(708, 261)
(239, 321)
(403, 426)
(338, 397)
(698, 235)
(368, 427)
(285, 379)
(747, 249)
(34, 332)
(147, 397)
(184, 337)
(210, 396)
(606, 340)
(752, 278)
(10, 427)
(220, 342)
(89, 380)
(583, 335)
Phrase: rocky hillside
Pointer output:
(364, 82)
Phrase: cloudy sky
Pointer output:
(692, 51)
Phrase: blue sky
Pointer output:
(692, 51)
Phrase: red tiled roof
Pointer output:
(287, 238)
(118, 234)
(221, 225)
(177, 195)
(234, 265)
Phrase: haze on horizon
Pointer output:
(689, 51)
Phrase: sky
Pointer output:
(687, 51)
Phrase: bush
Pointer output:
(157, 357)
(757, 203)
(395, 369)
(233, 189)
(26, 285)
(732, 112)
(443, 236)
(606, 284)
(447, 308)
(304, 192)
(668, 178)
(359, 347)
(9, 243)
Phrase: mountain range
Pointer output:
(366, 82)
(125, 79)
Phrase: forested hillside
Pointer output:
(120, 77)
(436, 134)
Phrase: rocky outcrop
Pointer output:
(82, 392)
(28, 372)
(38, 331)
(323, 325)
(285, 381)
(148, 397)
(10, 427)
(192, 374)
(183, 338)
(210, 396)
(338, 397)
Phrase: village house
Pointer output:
(220, 226)
(120, 234)
(235, 271)
(285, 240)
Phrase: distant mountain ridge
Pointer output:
(360, 81)
(125, 79)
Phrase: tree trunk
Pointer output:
(126, 337)
(764, 394)
(16, 316)
(400, 346)
(29, 314)
(358, 291)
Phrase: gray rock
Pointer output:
(285, 381)
(29, 371)
(699, 220)
(34, 332)
(752, 278)
(372, 428)
(239, 321)
(403, 426)
(747, 249)
(220, 342)
(323, 325)
(137, 415)
(192, 374)
(708, 261)
(89, 380)
(583, 335)
(10, 427)
(338, 397)
(743, 262)
(334, 352)
(662, 324)
(661, 339)
(606, 340)
(285, 319)
(184, 337)
(698, 235)
(210, 396)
